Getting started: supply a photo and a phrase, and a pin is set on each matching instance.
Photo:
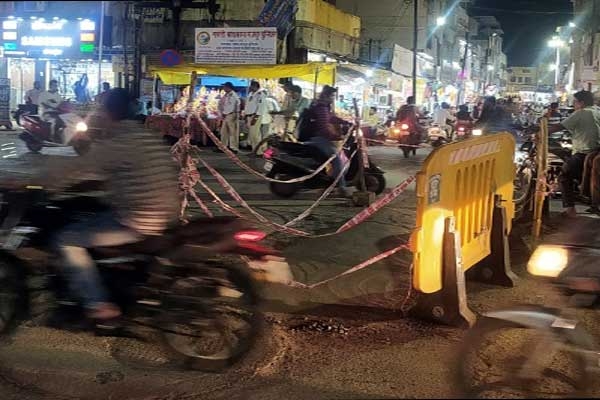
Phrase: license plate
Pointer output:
(268, 166)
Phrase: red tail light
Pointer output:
(249, 236)
(269, 153)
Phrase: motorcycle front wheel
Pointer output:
(283, 190)
(500, 359)
(211, 319)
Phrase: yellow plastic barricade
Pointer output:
(457, 188)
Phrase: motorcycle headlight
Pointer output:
(404, 127)
(548, 261)
(81, 127)
(477, 132)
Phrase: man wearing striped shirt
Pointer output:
(142, 191)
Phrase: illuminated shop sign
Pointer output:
(56, 38)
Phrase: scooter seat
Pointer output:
(302, 150)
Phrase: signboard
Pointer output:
(170, 58)
(4, 100)
(52, 38)
(236, 45)
(279, 14)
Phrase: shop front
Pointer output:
(36, 49)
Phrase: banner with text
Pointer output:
(279, 14)
(236, 45)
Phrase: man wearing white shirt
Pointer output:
(254, 112)
(49, 101)
(32, 95)
(229, 108)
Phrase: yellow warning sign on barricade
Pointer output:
(460, 181)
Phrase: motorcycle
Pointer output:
(463, 130)
(557, 353)
(559, 145)
(287, 160)
(202, 311)
(70, 130)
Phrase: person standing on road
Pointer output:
(229, 108)
(32, 95)
(584, 125)
(293, 108)
(253, 113)
(267, 107)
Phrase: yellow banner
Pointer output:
(180, 75)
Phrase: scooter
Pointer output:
(22, 109)
(534, 351)
(463, 130)
(288, 160)
(202, 309)
(70, 130)
(436, 136)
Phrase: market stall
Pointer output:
(205, 98)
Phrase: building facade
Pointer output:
(585, 46)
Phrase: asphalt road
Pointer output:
(325, 353)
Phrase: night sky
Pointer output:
(527, 25)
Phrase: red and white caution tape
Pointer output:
(358, 267)
(378, 205)
(231, 155)
(396, 144)
(363, 148)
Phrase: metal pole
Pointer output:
(154, 93)
(315, 83)
(100, 47)
(462, 71)
(556, 69)
(414, 49)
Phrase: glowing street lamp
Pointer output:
(572, 24)
(440, 21)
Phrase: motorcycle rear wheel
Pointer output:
(485, 343)
(33, 146)
(222, 329)
(375, 183)
(283, 190)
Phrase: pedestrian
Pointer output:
(253, 113)
(229, 108)
(100, 97)
(267, 106)
(32, 95)
(584, 125)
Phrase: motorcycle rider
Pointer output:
(142, 190)
(324, 133)
(49, 101)
(443, 118)
(584, 125)
(408, 114)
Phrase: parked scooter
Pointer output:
(436, 136)
(534, 351)
(70, 130)
(287, 160)
(22, 109)
(203, 310)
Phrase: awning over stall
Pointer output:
(324, 73)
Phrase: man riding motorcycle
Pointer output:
(408, 114)
(49, 101)
(142, 189)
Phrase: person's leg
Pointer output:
(571, 171)
(329, 149)
(595, 183)
(234, 132)
(264, 132)
(587, 174)
(79, 268)
(225, 131)
(254, 134)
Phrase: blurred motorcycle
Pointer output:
(534, 351)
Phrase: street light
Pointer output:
(440, 21)
(572, 24)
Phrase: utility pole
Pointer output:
(414, 49)
(462, 90)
